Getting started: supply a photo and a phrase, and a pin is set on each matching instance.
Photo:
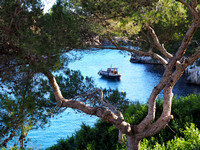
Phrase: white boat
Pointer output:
(111, 73)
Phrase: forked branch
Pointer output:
(159, 46)
(101, 112)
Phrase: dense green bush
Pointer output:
(135, 113)
(100, 137)
(184, 109)
(105, 136)
(190, 141)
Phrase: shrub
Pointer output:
(190, 141)
(105, 136)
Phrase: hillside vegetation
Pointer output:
(181, 133)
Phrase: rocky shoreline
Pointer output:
(192, 72)
(143, 60)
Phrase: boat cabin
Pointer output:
(111, 73)
(113, 70)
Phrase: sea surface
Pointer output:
(137, 81)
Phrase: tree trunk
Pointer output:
(132, 143)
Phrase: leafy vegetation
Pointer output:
(190, 140)
(102, 136)
(30, 106)
(128, 19)
(181, 133)
(184, 110)
(32, 43)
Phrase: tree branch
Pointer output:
(157, 43)
(54, 85)
(4, 143)
(111, 107)
(156, 127)
(104, 102)
(189, 34)
(188, 61)
(151, 129)
(14, 15)
(140, 53)
(152, 102)
(191, 8)
(101, 112)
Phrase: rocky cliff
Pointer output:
(192, 72)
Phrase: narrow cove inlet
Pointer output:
(137, 81)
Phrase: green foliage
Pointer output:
(91, 138)
(189, 141)
(128, 19)
(111, 14)
(87, 137)
(135, 113)
(72, 83)
(168, 20)
(184, 109)
(104, 136)
(116, 98)
(189, 108)
(32, 41)
(30, 106)
(27, 108)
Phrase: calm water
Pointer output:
(137, 81)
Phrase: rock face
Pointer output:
(143, 60)
(193, 73)
(123, 41)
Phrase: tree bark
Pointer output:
(174, 69)
(132, 143)
(112, 116)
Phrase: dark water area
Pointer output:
(182, 87)
(137, 81)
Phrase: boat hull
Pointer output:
(109, 75)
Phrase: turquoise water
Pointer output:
(137, 80)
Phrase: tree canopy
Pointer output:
(32, 43)
(31, 40)
(170, 19)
